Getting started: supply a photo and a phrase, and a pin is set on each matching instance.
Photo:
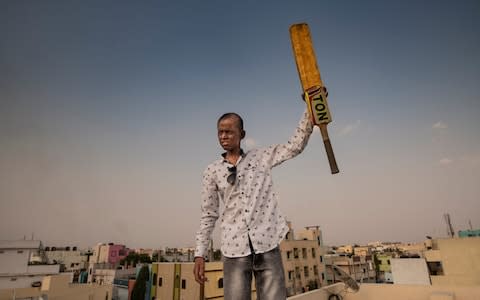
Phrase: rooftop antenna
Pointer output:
(470, 224)
(450, 231)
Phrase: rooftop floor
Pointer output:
(393, 292)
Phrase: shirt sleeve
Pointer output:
(295, 145)
(209, 212)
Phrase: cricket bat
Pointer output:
(314, 91)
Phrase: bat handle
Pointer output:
(329, 149)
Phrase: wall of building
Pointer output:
(459, 259)
(410, 271)
(302, 264)
(58, 287)
(14, 261)
(72, 259)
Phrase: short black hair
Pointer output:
(232, 115)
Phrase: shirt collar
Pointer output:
(224, 155)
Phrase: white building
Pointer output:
(23, 264)
(70, 258)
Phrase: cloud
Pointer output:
(440, 125)
(445, 161)
(250, 143)
(350, 128)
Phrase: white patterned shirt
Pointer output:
(250, 204)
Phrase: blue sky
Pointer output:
(108, 114)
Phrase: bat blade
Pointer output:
(305, 56)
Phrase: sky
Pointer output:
(108, 115)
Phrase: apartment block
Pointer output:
(302, 257)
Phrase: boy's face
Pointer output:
(229, 134)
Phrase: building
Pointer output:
(104, 257)
(362, 250)
(110, 254)
(383, 267)
(410, 271)
(360, 268)
(302, 259)
(59, 287)
(70, 259)
(453, 261)
(108, 276)
(469, 233)
(23, 264)
(178, 254)
(411, 249)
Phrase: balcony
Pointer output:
(393, 292)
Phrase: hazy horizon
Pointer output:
(108, 116)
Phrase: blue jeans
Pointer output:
(269, 277)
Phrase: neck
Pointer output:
(233, 155)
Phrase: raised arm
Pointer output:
(295, 145)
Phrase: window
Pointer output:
(295, 252)
(321, 258)
(315, 270)
(388, 261)
(184, 284)
(435, 268)
(160, 281)
(13, 279)
(297, 273)
(20, 251)
(290, 275)
(72, 265)
(220, 283)
(154, 280)
(313, 253)
(289, 254)
(323, 276)
(304, 252)
(305, 271)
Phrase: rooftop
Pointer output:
(393, 292)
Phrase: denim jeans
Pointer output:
(268, 271)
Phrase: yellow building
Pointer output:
(303, 260)
(454, 261)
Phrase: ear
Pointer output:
(242, 134)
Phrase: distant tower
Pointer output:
(450, 231)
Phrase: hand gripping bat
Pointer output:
(314, 92)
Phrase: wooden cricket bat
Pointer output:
(315, 93)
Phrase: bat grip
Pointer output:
(329, 149)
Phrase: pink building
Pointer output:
(116, 253)
(110, 254)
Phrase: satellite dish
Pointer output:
(345, 278)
